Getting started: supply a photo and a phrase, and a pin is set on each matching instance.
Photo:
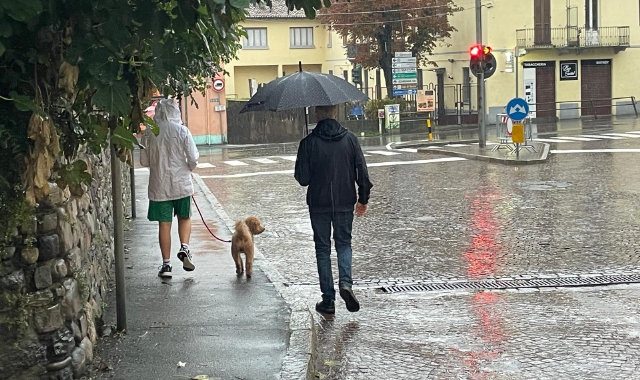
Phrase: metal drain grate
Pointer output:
(517, 284)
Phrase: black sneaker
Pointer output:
(349, 298)
(187, 259)
(165, 271)
(326, 307)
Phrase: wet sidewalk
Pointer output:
(206, 324)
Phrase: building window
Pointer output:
(256, 39)
(330, 38)
(508, 65)
(591, 14)
(301, 37)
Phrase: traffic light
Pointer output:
(482, 60)
(356, 74)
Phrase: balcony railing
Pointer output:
(573, 37)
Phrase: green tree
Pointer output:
(376, 30)
(76, 74)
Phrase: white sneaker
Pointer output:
(187, 259)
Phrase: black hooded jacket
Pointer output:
(331, 163)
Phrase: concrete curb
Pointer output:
(504, 161)
(299, 363)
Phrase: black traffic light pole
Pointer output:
(482, 135)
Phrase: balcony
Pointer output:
(574, 38)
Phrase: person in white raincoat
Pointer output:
(170, 157)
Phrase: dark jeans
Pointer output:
(342, 226)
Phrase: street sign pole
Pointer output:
(482, 136)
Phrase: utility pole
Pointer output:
(118, 239)
(482, 134)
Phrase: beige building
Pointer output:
(276, 41)
(578, 56)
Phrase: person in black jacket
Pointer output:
(330, 162)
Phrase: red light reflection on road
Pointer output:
(481, 255)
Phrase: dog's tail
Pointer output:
(239, 224)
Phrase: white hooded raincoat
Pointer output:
(170, 156)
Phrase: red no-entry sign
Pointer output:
(218, 85)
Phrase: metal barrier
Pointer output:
(504, 135)
(591, 106)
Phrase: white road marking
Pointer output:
(434, 160)
(235, 163)
(142, 169)
(457, 145)
(392, 163)
(263, 160)
(205, 165)
(383, 152)
(552, 140)
(288, 158)
(578, 138)
(408, 150)
(633, 132)
(596, 151)
(241, 175)
(604, 137)
(623, 135)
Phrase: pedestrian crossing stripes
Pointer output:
(579, 138)
(376, 164)
(629, 135)
(263, 160)
(588, 138)
(235, 163)
(271, 160)
(552, 140)
(605, 137)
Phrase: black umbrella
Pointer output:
(302, 90)
(309, 89)
(259, 99)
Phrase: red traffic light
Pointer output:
(478, 50)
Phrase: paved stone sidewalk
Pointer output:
(220, 325)
(555, 334)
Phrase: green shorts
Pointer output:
(163, 211)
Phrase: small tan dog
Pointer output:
(242, 241)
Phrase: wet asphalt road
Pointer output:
(447, 220)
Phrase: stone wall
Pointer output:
(53, 278)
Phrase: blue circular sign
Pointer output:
(517, 109)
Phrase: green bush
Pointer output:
(373, 105)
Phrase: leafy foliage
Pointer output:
(376, 30)
(373, 105)
(75, 74)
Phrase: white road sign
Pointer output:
(405, 81)
(403, 54)
(403, 65)
(403, 70)
(404, 60)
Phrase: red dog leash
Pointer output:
(205, 223)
